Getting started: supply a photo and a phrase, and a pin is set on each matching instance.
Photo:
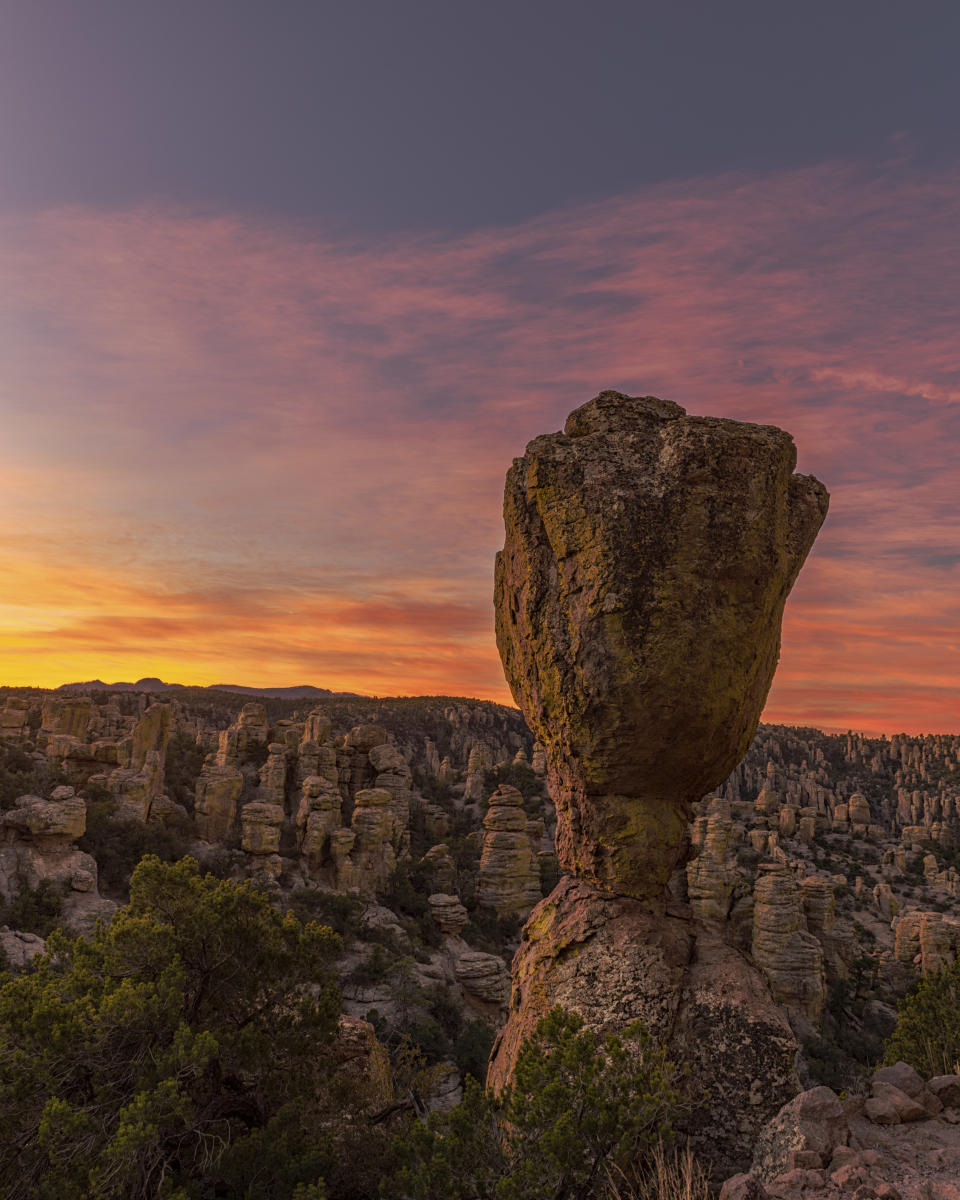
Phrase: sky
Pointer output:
(285, 287)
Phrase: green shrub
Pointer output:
(579, 1109)
(22, 775)
(472, 1048)
(184, 1040)
(119, 842)
(38, 910)
(373, 969)
(336, 909)
(182, 764)
(927, 1035)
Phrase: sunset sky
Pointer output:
(284, 287)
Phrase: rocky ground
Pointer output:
(902, 1142)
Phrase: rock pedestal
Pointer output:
(639, 594)
(614, 961)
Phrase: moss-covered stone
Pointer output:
(639, 596)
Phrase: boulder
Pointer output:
(449, 914)
(639, 594)
(484, 976)
(888, 1105)
(61, 819)
(946, 1088)
(813, 1124)
(745, 1186)
(18, 949)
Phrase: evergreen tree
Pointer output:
(927, 1034)
(139, 1062)
(579, 1107)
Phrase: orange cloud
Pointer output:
(240, 448)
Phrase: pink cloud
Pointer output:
(198, 404)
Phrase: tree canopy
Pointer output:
(144, 1060)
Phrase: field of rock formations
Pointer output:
(828, 861)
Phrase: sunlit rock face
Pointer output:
(639, 596)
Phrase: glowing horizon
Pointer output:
(240, 451)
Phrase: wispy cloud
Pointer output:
(241, 447)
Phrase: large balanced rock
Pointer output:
(639, 595)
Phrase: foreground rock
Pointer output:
(821, 1148)
(639, 594)
(615, 961)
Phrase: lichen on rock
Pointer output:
(639, 595)
(647, 560)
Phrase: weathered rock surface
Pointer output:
(13, 718)
(261, 823)
(647, 560)
(37, 846)
(509, 876)
(449, 914)
(813, 1123)
(790, 957)
(19, 949)
(273, 775)
(639, 594)
(218, 790)
(711, 875)
(318, 816)
(57, 821)
(615, 961)
(373, 854)
(484, 976)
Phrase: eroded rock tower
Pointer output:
(639, 596)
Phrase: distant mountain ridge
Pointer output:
(151, 684)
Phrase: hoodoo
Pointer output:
(639, 596)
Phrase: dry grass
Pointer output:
(668, 1175)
